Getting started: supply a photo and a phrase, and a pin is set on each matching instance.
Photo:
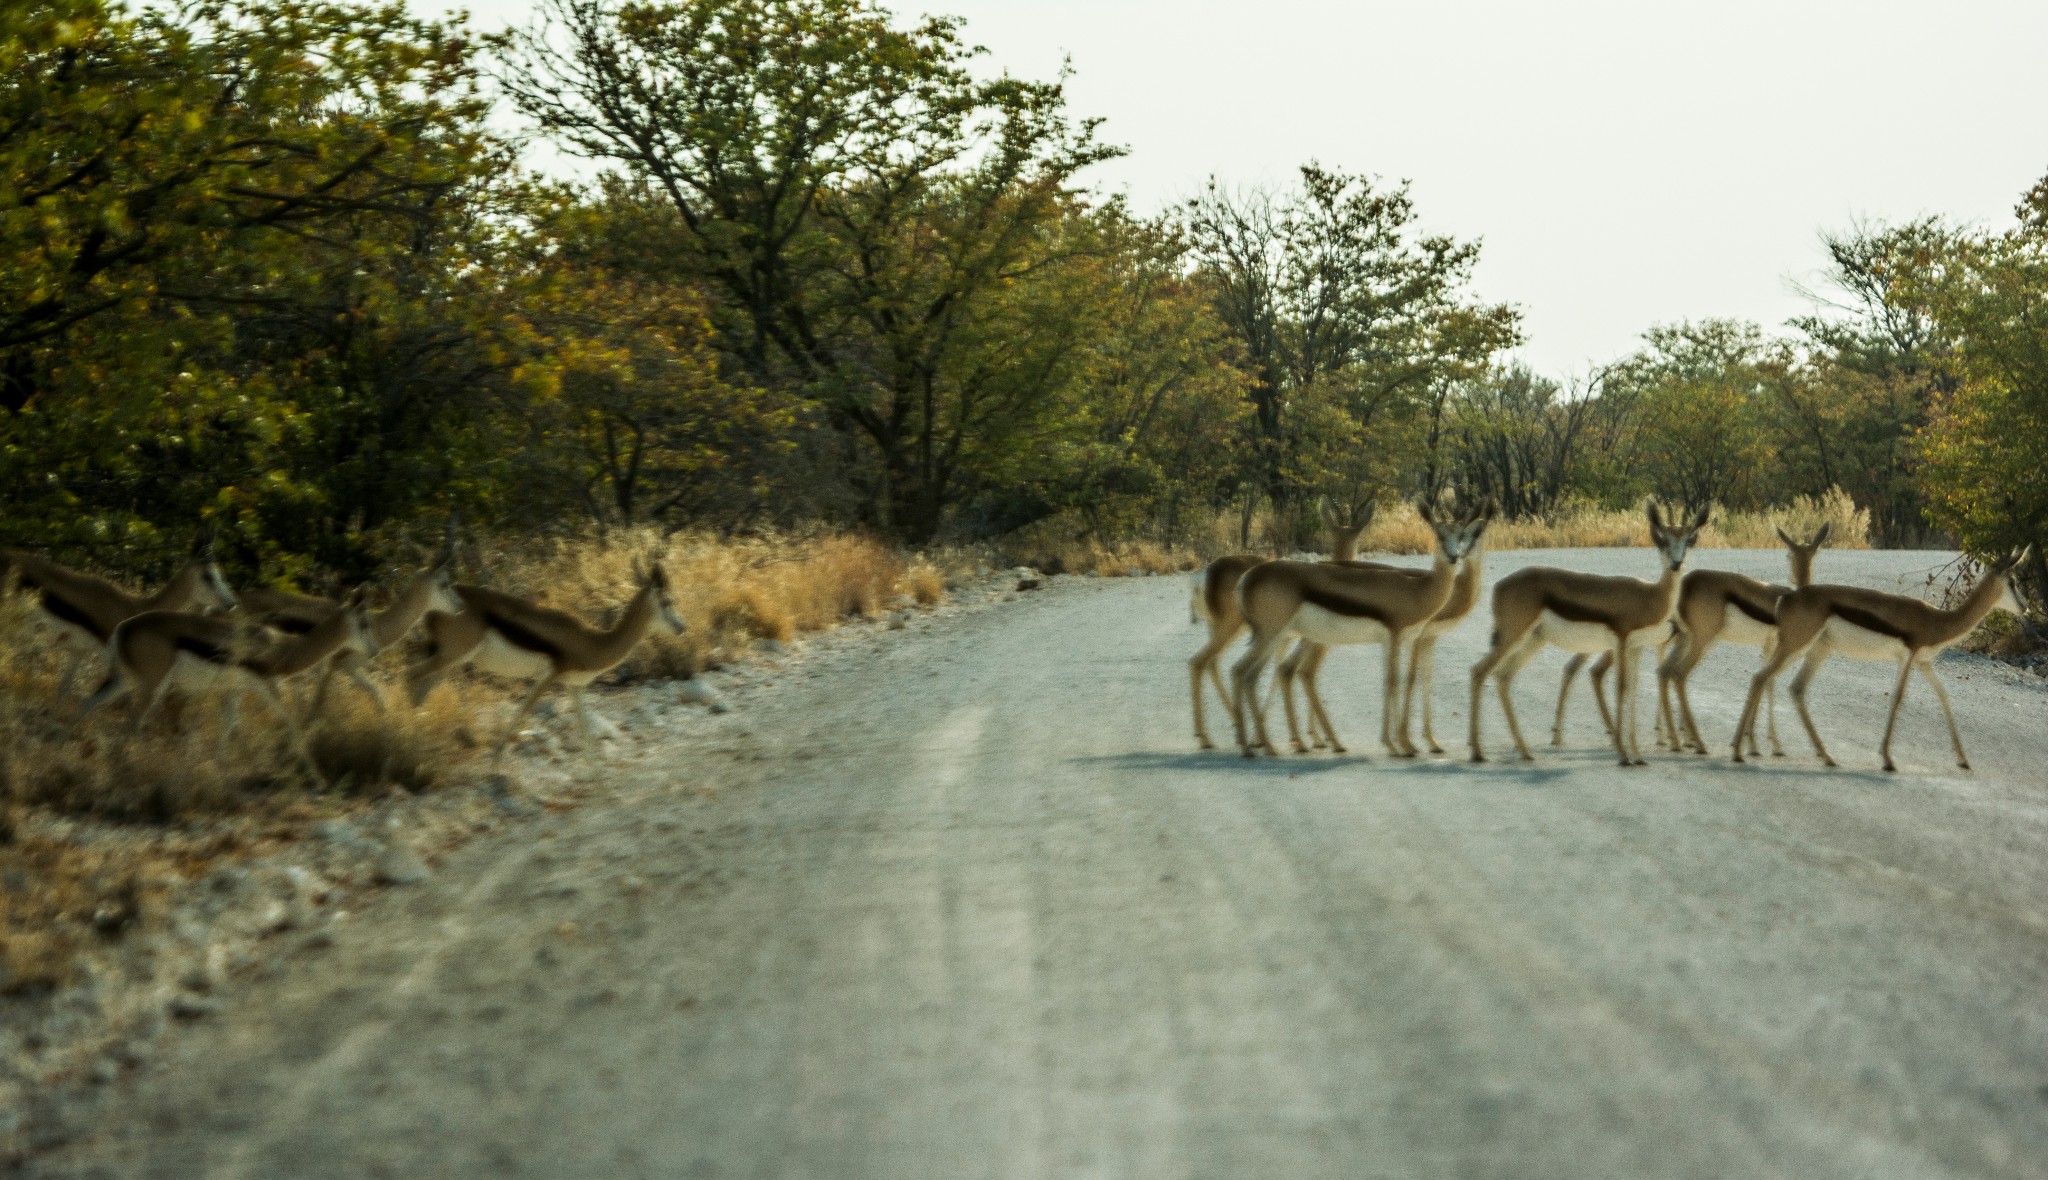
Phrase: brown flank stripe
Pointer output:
(1338, 605)
(520, 636)
(1866, 620)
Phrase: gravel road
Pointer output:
(963, 901)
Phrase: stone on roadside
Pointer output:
(399, 865)
(188, 1007)
(696, 692)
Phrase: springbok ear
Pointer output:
(1423, 510)
(657, 576)
(1699, 520)
(1820, 538)
(1787, 537)
(1656, 515)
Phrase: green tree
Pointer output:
(864, 207)
(1699, 398)
(1348, 319)
(1985, 445)
(180, 185)
(1876, 362)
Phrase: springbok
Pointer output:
(157, 651)
(1214, 602)
(1713, 606)
(1307, 659)
(80, 606)
(432, 588)
(1333, 604)
(1587, 613)
(1816, 622)
(513, 638)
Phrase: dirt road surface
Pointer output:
(965, 902)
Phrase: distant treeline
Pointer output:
(270, 273)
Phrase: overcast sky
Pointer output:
(1624, 163)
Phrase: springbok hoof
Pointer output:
(1962, 764)
(1478, 758)
(1337, 749)
(1890, 769)
(1205, 744)
(1435, 749)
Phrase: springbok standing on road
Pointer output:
(1713, 605)
(158, 651)
(1587, 613)
(79, 606)
(1816, 622)
(513, 638)
(1215, 603)
(1333, 604)
(1307, 659)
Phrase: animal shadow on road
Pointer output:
(1383, 770)
(1213, 761)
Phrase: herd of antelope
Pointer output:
(197, 636)
(1622, 620)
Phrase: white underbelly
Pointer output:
(501, 657)
(1737, 627)
(1858, 643)
(1331, 629)
(1591, 638)
(1585, 638)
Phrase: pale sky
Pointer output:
(1625, 164)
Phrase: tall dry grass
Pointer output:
(731, 593)
(1400, 529)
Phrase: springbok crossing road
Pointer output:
(964, 902)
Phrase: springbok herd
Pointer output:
(196, 635)
(1619, 619)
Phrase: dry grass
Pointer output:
(731, 593)
(1400, 529)
(179, 767)
(73, 896)
(1044, 549)
(926, 583)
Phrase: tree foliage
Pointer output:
(1348, 318)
